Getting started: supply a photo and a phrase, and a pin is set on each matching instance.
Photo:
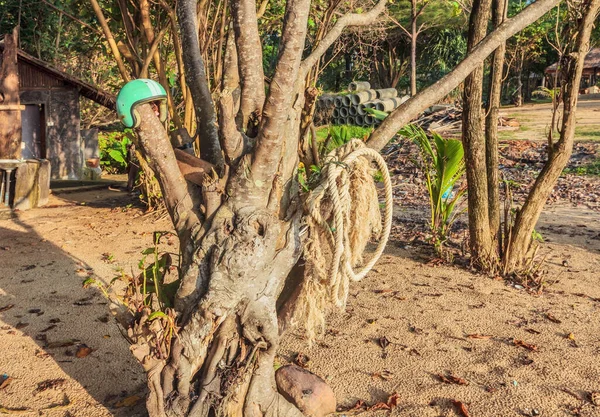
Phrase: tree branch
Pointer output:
(282, 95)
(195, 73)
(249, 50)
(156, 148)
(111, 40)
(432, 94)
(351, 19)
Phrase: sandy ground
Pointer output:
(535, 119)
(426, 312)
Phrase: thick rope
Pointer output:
(336, 187)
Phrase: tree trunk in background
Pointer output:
(559, 154)
(413, 48)
(482, 251)
(10, 109)
(499, 9)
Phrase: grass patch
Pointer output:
(541, 100)
(507, 135)
(587, 132)
(592, 168)
(358, 132)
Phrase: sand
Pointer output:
(425, 311)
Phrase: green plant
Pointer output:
(113, 150)
(443, 166)
(335, 136)
(545, 92)
(151, 292)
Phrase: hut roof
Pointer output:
(592, 60)
(86, 89)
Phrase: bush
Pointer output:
(113, 151)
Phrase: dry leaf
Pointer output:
(525, 345)
(5, 382)
(83, 351)
(301, 359)
(478, 336)
(50, 384)
(6, 307)
(383, 342)
(62, 343)
(532, 331)
(385, 375)
(129, 401)
(461, 408)
(452, 379)
(552, 318)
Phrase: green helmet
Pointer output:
(138, 92)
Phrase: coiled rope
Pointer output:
(335, 185)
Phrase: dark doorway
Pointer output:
(33, 131)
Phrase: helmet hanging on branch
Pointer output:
(138, 92)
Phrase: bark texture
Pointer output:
(499, 10)
(195, 73)
(480, 239)
(10, 109)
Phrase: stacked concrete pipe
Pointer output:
(356, 86)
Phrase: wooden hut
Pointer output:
(50, 119)
(591, 72)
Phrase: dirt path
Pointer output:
(426, 312)
(535, 119)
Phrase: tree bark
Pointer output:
(572, 68)
(249, 49)
(480, 239)
(10, 109)
(206, 119)
(499, 10)
(432, 94)
(413, 48)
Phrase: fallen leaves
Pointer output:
(6, 307)
(384, 375)
(525, 345)
(552, 318)
(479, 336)
(83, 351)
(301, 359)
(392, 402)
(129, 401)
(62, 343)
(5, 381)
(452, 379)
(461, 408)
(50, 384)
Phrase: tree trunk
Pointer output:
(10, 105)
(413, 48)
(572, 63)
(499, 9)
(482, 251)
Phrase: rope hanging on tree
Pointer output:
(336, 186)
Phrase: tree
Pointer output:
(516, 252)
(241, 234)
(423, 15)
(480, 237)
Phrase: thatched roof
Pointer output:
(86, 89)
(592, 60)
